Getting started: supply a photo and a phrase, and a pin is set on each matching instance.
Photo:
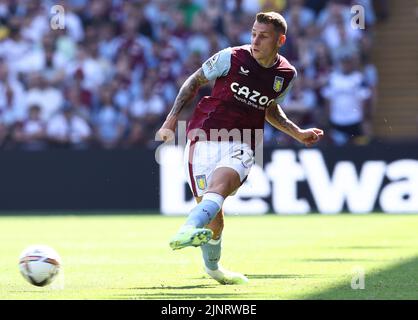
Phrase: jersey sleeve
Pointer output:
(218, 65)
(279, 100)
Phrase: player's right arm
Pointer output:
(216, 66)
(187, 92)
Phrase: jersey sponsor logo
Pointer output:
(278, 83)
(243, 71)
(201, 182)
(251, 96)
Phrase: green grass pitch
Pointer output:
(285, 257)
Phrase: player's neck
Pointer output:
(268, 62)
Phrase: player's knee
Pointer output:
(224, 182)
(224, 188)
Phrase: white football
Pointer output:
(39, 264)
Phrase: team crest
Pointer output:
(278, 83)
(201, 182)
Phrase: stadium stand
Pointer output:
(117, 65)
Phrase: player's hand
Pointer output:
(310, 136)
(165, 134)
(167, 131)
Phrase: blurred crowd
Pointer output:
(109, 75)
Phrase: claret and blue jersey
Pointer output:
(242, 91)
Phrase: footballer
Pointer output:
(251, 82)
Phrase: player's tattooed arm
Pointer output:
(187, 92)
(278, 119)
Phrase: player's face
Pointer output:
(265, 40)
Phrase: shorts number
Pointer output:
(246, 158)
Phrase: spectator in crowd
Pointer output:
(272, 5)
(214, 14)
(12, 97)
(317, 73)
(80, 99)
(189, 10)
(340, 37)
(55, 53)
(300, 103)
(297, 13)
(136, 136)
(244, 6)
(30, 134)
(20, 54)
(148, 109)
(41, 93)
(66, 129)
(109, 122)
(346, 95)
(94, 68)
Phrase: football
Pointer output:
(39, 264)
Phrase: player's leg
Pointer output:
(211, 253)
(227, 178)
(193, 233)
(200, 160)
(217, 225)
(222, 183)
(225, 181)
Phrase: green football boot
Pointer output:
(190, 237)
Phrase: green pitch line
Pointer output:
(284, 257)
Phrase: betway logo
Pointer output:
(252, 95)
(359, 191)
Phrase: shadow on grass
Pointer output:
(284, 276)
(342, 260)
(30, 291)
(277, 276)
(367, 247)
(199, 286)
(177, 295)
(174, 292)
(395, 283)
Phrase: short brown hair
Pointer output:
(276, 19)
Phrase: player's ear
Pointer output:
(281, 40)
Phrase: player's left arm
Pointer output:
(278, 119)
